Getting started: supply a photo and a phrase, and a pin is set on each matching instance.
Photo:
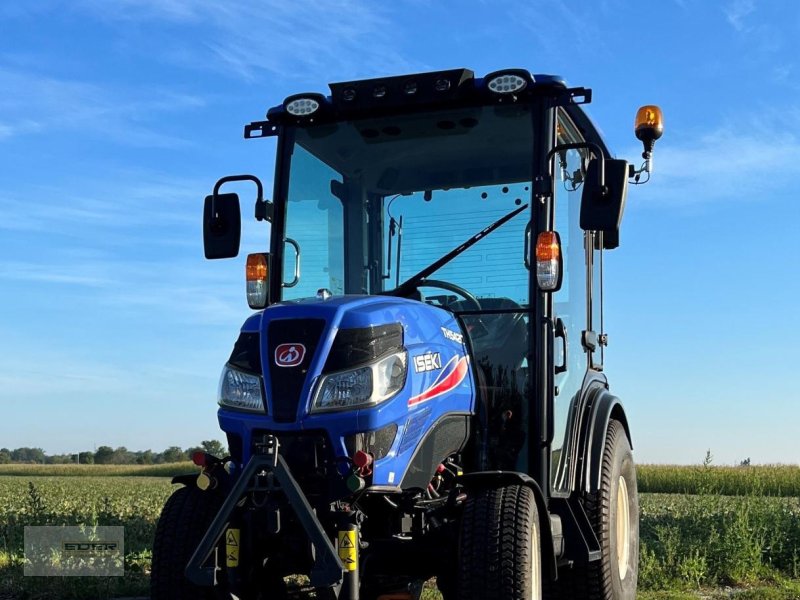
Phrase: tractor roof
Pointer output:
(437, 90)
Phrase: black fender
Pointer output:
(484, 479)
(189, 479)
(604, 407)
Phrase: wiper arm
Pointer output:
(411, 284)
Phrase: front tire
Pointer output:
(184, 520)
(500, 554)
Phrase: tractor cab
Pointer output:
(429, 339)
(386, 178)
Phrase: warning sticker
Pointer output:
(348, 553)
(232, 547)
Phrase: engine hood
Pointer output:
(303, 340)
(420, 321)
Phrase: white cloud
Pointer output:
(43, 273)
(39, 103)
(745, 160)
(737, 12)
(111, 204)
(581, 32)
(301, 39)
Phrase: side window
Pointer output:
(314, 222)
(570, 306)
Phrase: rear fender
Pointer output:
(605, 407)
(485, 479)
(187, 480)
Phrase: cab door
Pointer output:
(577, 307)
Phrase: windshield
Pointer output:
(374, 201)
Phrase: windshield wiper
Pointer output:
(411, 284)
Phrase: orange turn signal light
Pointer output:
(548, 261)
(548, 246)
(257, 276)
(256, 267)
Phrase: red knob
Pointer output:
(362, 459)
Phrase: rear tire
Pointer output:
(614, 513)
(500, 546)
(184, 520)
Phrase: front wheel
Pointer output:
(500, 554)
(184, 520)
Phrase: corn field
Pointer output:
(701, 527)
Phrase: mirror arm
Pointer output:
(601, 171)
(262, 207)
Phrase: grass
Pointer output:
(774, 481)
(693, 546)
(705, 540)
(164, 470)
(785, 591)
(134, 502)
(770, 480)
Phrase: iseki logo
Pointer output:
(289, 355)
(427, 362)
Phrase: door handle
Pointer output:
(561, 332)
(527, 246)
(296, 279)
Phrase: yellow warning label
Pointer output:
(347, 549)
(232, 548)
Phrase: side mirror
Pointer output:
(222, 226)
(601, 209)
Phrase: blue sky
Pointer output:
(117, 117)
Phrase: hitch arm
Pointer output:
(327, 570)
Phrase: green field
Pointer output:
(700, 540)
(770, 480)
(164, 470)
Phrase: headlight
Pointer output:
(240, 390)
(362, 387)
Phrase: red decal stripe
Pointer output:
(444, 384)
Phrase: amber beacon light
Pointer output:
(649, 127)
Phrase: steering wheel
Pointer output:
(452, 287)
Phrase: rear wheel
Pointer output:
(614, 513)
(184, 520)
(500, 546)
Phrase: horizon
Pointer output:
(120, 117)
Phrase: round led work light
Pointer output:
(303, 106)
(506, 83)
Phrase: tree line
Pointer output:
(106, 455)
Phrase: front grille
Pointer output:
(310, 458)
(287, 382)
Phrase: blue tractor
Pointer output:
(420, 393)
